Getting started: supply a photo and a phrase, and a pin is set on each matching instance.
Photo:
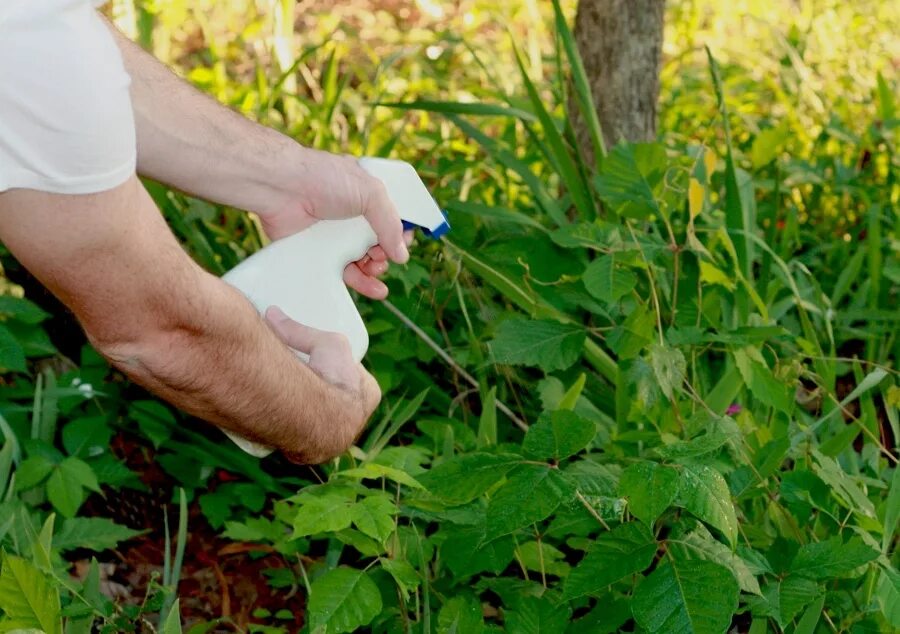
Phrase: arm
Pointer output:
(180, 332)
(190, 141)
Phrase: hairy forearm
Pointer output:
(252, 385)
(190, 141)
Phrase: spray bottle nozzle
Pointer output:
(435, 232)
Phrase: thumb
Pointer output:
(292, 333)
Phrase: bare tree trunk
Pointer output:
(620, 42)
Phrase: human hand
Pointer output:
(356, 393)
(330, 186)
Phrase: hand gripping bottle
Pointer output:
(303, 273)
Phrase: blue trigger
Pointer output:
(436, 233)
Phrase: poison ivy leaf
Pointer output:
(86, 437)
(762, 381)
(686, 597)
(374, 516)
(630, 337)
(254, 529)
(627, 549)
(66, 484)
(704, 492)
(531, 493)
(607, 282)
(650, 489)
(628, 177)
(716, 435)
(464, 478)
(794, 594)
(12, 356)
(551, 345)
(403, 573)
(832, 558)
(27, 597)
(464, 554)
(538, 615)
(543, 558)
(558, 435)
(608, 616)
(669, 367)
(323, 514)
(93, 533)
(32, 472)
(342, 600)
(699, 544)
(461, 615)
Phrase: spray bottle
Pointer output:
(303, 273)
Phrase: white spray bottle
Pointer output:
(303, 273)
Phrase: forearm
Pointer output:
(190, 141)
(170, 326)
(250, 383)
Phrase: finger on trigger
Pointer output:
(385, 222)
(356, 278)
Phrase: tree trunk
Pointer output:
(620, 42)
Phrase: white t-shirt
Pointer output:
(66, 120)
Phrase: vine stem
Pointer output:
(421, 334)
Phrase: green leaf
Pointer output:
(403, 573)
(888, 595)
(374, 471)
(93, 533)
(628, 177)
(487, 422)
(891, 510)
(374, 516)
(27, 596)
(464, 478)
(154, 419)
(650, 489)
(842, 485)
(543, 558)
(87, 437)
(699, 544)
(761, 381)
(831, 558)
(12, 356)
(457, 107)
(704, 492)
(465, 555)
(531, 493)
(65, 487)
(632, 335)
(172, 624)
(626, 550)
(558, 435)
(686, 597)
(809, 620)
(794, 594)
(607, 282)
(21, 309)
(32, 472)
(460, 615)
(328, 513)
(551, 345)
(537, 615)
(669, 367)
(342, 600)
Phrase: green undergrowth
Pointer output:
(653, 394)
